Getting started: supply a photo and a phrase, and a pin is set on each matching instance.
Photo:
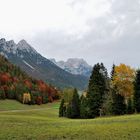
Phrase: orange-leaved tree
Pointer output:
(123, 79)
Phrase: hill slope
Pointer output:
(44, 124)
(16, 84)
(23, 55)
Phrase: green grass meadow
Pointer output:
(25, 122)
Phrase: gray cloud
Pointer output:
(113, 36)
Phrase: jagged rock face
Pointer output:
(25, 56)
(12, 48)
(75, 66)
(24, 46)
(2, 41)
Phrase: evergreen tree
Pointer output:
(74, 107)
(61, 108)
(118, 105)
(70, 104)
(137, 92)
(107, 106)
(69, 110)
(84, 109)
(112, 72)
(96, 90)
(129, 107)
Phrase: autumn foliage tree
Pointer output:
(123, 79)
(39, 100)
(5, 78)
(28, 84)
(26, 98)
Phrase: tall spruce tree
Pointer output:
(84, 109)
(137, 92)
(96, 90)
(74, 107)
(61, 108)
(109, 99)
(68, 111)
(129, 109)
(112, 72)
(118, 105)
(107, 105)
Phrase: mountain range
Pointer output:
(77, 66)
(28, 59)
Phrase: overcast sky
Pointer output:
(97, 30)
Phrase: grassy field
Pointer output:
(24, 122)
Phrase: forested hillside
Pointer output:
(16, 84)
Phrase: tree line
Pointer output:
(118, 94)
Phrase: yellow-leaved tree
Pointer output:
(123, 79)
(26, 98)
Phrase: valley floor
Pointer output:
(24, 122)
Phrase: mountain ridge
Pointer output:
(26, 57)
(75, 66)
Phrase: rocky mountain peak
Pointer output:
(23, 45)
(11, 47)
(7, 46)
(77, 62)
(2, 41)
(77, 66)
(11, 44)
